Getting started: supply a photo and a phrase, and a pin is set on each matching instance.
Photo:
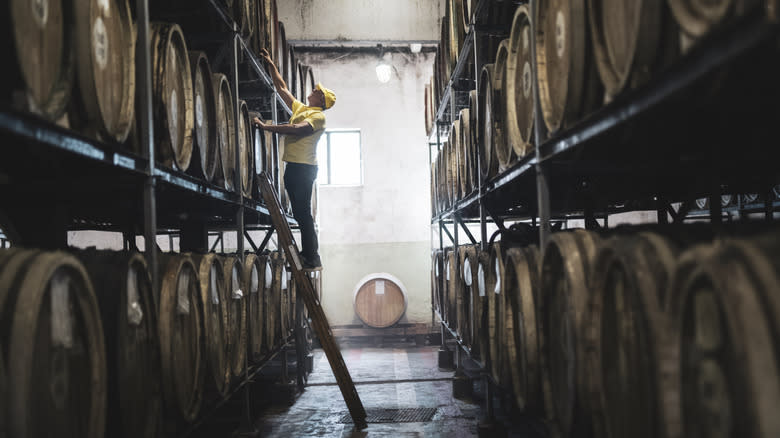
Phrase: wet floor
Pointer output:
(386, 378)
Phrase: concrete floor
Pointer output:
(404, 377)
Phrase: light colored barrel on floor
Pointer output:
(379, 300)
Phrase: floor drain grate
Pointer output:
(407, 415)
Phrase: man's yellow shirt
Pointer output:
(303, 149)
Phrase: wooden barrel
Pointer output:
(456, 161)
(723, 354)
(565, 291)
(241, 10)
(38, 44)
(520, 288)
(254, 278)
(246, 149)
(504, 153)
(437, 269)
(467, 257)
(293, 68)
(105, 56)
(456, 30)
(486, 283)
(123, 287)
(495, 313)
(236, 329)
(631, 282)
(626, 37)
(568, 84)
(270, 154)
(258, 36)
(172, 97)
(272, 29)
(485, 116)
(226, 125)
(379, 300)
(452, 277)
(466, 158)
(258, 151)
(282, 53)
(445, 63)
(275, 307)
(307, 83)
(53, 343)
(181, 336)
(205, 137)
(214, 299)
(697, 18)
(519, 85)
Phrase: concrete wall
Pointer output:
(382, 226)
(345, 20)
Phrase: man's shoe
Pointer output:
(312, 264)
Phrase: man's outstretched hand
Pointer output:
(264, 54)
(259, 123)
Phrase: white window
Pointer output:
(339, 158)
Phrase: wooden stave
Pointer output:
(130, 414)
(245, 149)
(205, 127)
(254, 275)
(503, 149)
(51, 100)
(436, 271)
(226, 125)
(107, 117)
(567, 408)
(187, 405)
(24, 279)
(445, 67)
(519, 104)
(522, 356)
(562, 109)
(485, 140)
(167, 40)
(741, 275)
(237, 335)
(242, 13)
(269, 307)
(215, 324)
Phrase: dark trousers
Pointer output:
(299, 180)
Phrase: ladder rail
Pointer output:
(319, 320)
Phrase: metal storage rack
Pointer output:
(53, 180)
(655, 148)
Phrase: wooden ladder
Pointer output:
(318, 319)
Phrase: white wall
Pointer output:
(345, 20)
(384, 225)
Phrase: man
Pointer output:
(306, 126)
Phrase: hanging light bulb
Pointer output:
(383, 68)
(383, 72)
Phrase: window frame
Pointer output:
(328, 160)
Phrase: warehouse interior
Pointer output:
(535, 218)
